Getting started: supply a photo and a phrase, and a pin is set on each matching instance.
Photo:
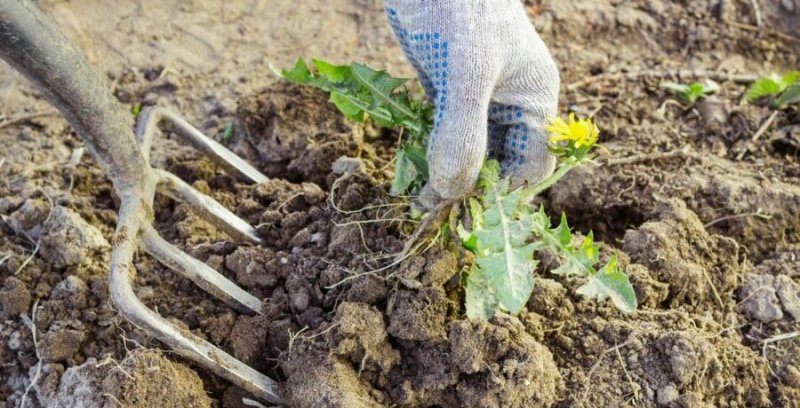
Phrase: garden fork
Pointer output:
(30, 43)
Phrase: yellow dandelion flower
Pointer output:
(581, 131)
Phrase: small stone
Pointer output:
(789, 294)
(345, 164)
(713, 110)
(760, 300)
(667, 394)
(299, 301)
(300, 239)
(15, 341)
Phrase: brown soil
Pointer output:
(705, 219)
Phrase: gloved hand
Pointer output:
(494, 85)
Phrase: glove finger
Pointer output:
(520, 144)
(411, 48)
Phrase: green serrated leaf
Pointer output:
(790, 78)
(360, 92)
(489, 175)
(563, 232)
(504, 260)
(558, 238)
(788, 97)
(417, 155)
(589, 252)
(381, 85)
(579, 261)
(500, 204)
(513, 233)
(348, 106)
(299, 74)
(763, 87)
(334, 73)
(404, 174)
(610, 282)
(481, 302)
(511, 273)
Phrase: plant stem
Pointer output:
(567, 165)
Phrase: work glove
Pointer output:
(494, 85)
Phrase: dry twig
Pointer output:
(684, 152)
(31, 323)
(22, 118)
(666, 73)
(763, 129)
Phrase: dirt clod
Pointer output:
(69, 240)
(700, 267)
(504, 366)
(146, 379)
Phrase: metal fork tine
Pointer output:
(198, 272)
(177, 189)
(151, 117)
(36, 48)
(182, 341)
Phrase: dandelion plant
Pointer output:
(505, 231)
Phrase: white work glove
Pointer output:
(493, 82)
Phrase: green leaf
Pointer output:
(360, 92)
(299, 74)
(481, 302)
(227, 135)
(334, 73)
(610, 282)
(512, 234)
(404, 174)
(763, 87)
(674, 86)
(489, 175)
(511, 273)
(504, 261)
(790, 78)
(505, 242)
(557, 238)
(348, 106)
(136, 110)
(500, 205)
(579, 261)
(382, 85)
(788, 97)
(476, 212)
(468, 240)
(692, 92)
(417, 155)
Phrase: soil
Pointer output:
(700, 203)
